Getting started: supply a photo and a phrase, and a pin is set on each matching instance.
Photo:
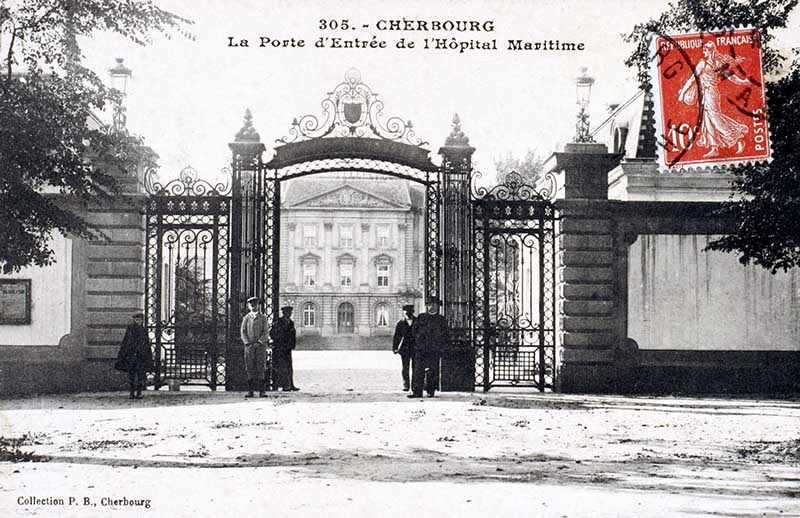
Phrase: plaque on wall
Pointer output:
(15, 301)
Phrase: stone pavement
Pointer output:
(350, 444)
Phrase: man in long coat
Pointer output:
(430, 338)
(135, 356)
(403, 342)
(254, 336)
(284, 339)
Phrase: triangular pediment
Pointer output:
(346, 196)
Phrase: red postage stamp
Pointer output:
(709, 99)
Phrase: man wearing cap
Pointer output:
(283, 341)
(403, 342)
(254, 337)
(135, 356)
(430, 337)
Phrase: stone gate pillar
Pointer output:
(588, 302)
(246, 160)
(458, 360)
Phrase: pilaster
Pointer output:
(458, 359)
(246, 157)
(586, 275)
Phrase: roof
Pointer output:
(391, 191)
(630, 127)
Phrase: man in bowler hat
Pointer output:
(254, 337)
(403, 342)
(284, 339)
(430, 338)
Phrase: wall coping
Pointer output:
(640, 180)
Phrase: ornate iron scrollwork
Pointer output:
(514, 188)
(352, 109)
(514, 262)
(188, 184)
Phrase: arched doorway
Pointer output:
(353, 136)
(345, 318)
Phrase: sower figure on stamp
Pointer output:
(283, 341)
(135, 356)
(716, 129)
(254, 337)
(430, 337)
(403, 342)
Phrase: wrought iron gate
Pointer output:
(514, 286)
(186, 285)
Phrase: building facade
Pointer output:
(351, 253)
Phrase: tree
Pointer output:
(530, 167)
(48, 100)
(767, 214)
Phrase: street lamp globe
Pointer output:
(119, 76)
(583, 84)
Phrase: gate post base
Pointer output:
(458, 371)
(598, 378)
(235, 376)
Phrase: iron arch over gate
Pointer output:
(514, 286)
(350, 136)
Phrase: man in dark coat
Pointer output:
(254, 338)
(430, 338)
(284, 339)
(135, 356)
(403, 342)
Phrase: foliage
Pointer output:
(766, 212)
(707, 16)
(530, 167)
(50, 138)
(768, 216)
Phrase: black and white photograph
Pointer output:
(465, 258)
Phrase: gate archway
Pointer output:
(350, 136)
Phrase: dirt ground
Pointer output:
(351, 444)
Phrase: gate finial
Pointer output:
(456, 137)
(247, 133)
(247, 143)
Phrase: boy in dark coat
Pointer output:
(283, 341)
(135, 356)
(403, 342)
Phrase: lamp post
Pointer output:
(583, 87)
(119, 82)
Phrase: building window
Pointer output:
(309, 315)
(346, 237)
(383, 236)
(346, 275)
(309, 274)
(382, 315)
(310, 235)
(383, 275)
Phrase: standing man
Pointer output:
(254, 337)
(403, 342)
(283, 341)
(430, 337)
(135, 356)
